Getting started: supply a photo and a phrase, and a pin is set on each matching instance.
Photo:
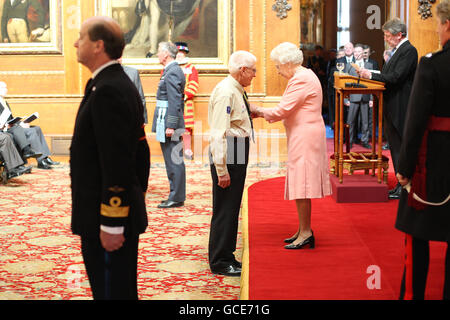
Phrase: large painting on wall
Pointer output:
(204, 24)
(311, 14)
(30, 26)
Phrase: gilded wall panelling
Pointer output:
(422, 33)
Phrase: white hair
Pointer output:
(169, 47)
(287, 52)
(240, 59)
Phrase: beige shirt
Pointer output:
(227, 116)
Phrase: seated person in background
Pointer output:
(10, 157)
(37, 141)
(29, 140)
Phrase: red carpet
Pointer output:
(350, 238)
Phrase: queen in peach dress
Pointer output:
(300, 109)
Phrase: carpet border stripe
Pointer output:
(244, 293)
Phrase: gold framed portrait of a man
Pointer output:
(30, 27)
(204, 24)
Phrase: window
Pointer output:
(343, 21)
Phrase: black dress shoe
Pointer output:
(51, 162)
(15, 172)
(366, 145)
(395, 189)
(12, 174)
(230, 270)
(170, 204)
(25, 169)
(43, 165)
(308, 242)
(395, 195)
(30, 153)
(237, 264)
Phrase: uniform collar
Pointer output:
(96, 72)
(170, 63)
(236, 84)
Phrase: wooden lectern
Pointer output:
(346, 85)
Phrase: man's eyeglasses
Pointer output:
(252, 69)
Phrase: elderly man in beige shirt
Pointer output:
(231, 128)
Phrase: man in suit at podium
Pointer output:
(398, 75)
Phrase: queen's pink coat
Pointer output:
(300, 109)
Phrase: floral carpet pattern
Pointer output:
(40, 258)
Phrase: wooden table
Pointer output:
(356, 161)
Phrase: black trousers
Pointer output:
(226, 205)
(112, 275)
(416, 270)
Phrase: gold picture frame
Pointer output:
(206, 26)
(40, 33)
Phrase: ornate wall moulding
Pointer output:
(424, 9)
(281, 7)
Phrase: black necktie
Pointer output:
(249, 114)
(87, 90)
(88, 86)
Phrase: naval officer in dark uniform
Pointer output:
(424, 212)
(168, 123)
(109, 165)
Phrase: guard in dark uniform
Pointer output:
(424, 212)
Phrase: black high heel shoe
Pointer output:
(310, 241)
(291, 239)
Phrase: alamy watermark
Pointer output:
(374, 280)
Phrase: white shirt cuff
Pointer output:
(112, 230)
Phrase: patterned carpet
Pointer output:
(41, 259)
